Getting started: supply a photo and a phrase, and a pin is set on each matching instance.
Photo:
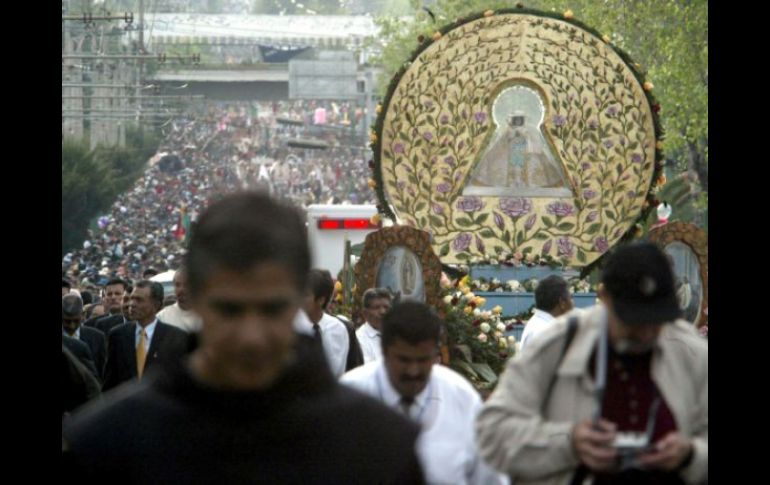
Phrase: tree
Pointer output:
(668, 38)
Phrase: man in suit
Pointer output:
(71, 318)
(80, 350)
(137, 346)
(113, 298)
(256, 401)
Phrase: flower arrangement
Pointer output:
(576, 285)
(476, 337)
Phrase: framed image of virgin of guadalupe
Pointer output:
(515, 131)
(686, 245)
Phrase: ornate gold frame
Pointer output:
(694, 238)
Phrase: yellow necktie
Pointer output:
(141, 353)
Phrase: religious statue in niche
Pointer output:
(401, 273)
(518, 161)
(688, 284)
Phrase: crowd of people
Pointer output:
(271, 388)
(215, 150)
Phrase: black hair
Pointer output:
(156, 290)
(550, 291)
(375, 294)
(320, 283)
(411, 321)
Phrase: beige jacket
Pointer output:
(516, 438)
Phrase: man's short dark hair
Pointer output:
(550, 291)
(87, 297)
(321, 284)
(156, 290)
(375, 294)
(149, 273)
(244, 229)
(65, 283)
(117, 281)
(411, 321)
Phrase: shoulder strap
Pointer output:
(571, 329)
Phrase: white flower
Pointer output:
(485, 327)
(495, 281)
(499, 289)
(484, 287)
(498, 335)
(448, 299)
(501, 327)
(470, 295)
(514, 285)
(482, 338)
(502, 343)
(486, 314)
(476, 312)
(511, 340)
(493, 261)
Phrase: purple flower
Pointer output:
(622, 141)
(401, 185)
(398, 148)
(428, 135)
(547, 246)
(592, 216)
(601, 244)
(460, 145)
(559, 120)
(515, 206)
(530, 222)
(608, 143)
(560, 209)
(636, 158)
(470, 204)
(458, 177)
(592, 149)
(612, 111)
(462, 242)
(593, 124)
(631, 194)
(565, 247)
(429, 104)
(585, 165)
(444, 119)
(438, 209)
(450, 160)
(589, 194)
(411, 192)
(443, 188)
(499, 221)
(481, 117)
(479, 244)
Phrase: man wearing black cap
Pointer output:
(618, 392)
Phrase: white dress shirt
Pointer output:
(334, 337)
(536, 325)
(150, 329)
(371, 345)
(187, 320)
(446, 411)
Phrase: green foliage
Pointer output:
(92, 179)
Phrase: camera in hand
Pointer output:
(631, 442)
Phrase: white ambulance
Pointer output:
(328, 226)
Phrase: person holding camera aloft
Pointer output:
(617, 393)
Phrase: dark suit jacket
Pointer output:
(97, 342)
(168, 343)
(105, 323)
(81, 351)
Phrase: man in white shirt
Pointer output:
(376, 302)
(552, 299)
(180, 314)
(332, 333)
(440, 400)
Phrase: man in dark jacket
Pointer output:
(138, 346)
(71, 317)
(256, 402)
